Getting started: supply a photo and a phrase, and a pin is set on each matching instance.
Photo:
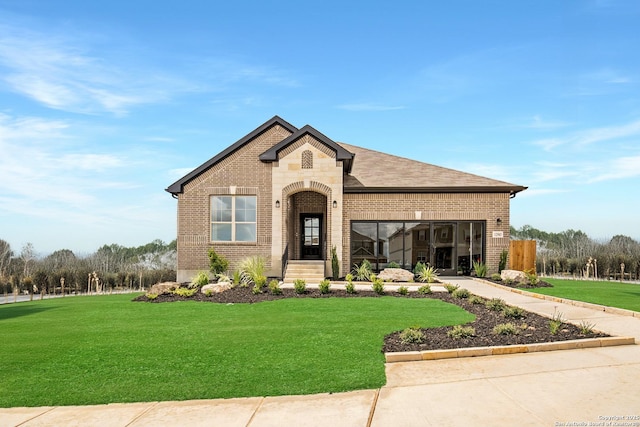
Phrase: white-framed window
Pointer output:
(233, 218)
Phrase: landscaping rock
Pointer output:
(395, 275)
(515, 275)
(164, 288)
(216, 288)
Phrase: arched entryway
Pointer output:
(307, 225)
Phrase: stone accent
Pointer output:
(515, 275)
(164, 288)
(216, 288)
(395, 275)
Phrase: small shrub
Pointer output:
(363, 271)
(480, 268)
(335, 264)
(151, 296)
(251, 269)
(508, 281)
(495, 304)
(474, 299)
(350, 288)
(532, 277)
(586, 328)
(378, 286)
(506, 329)
(403, 290)
(325, 286)
(459, 331)
(185, 292)
(411, 336)
(503, 260)
(450, 288)
(256, 289)
(460, 293)
(217, 263)
(373, 277)
(260, 281)
(424, 289)
(393, 264)
(555, 323)
(274, 287)
(201, 279)
(497, 277)
(208, 292)
(222, 277)
(513, 312)
(300, 286)
(426, 274)
(237, 277)
(349, 277)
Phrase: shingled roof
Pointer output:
(373, 171)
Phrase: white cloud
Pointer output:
(620, 168)
(586, 137)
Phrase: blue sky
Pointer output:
(104, 104)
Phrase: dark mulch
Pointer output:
(520, 285)
(532, 327)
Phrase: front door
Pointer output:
(311, 225)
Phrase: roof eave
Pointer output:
(512, 190)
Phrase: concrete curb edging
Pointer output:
(606, 309)
(413, 356)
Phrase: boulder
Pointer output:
(515, 275)
(164, 288)
(216, 288)
(395, 275)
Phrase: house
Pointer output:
(289, 193)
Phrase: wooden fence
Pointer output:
(522, 255)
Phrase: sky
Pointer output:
(104, 104)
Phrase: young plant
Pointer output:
(403, 290)
(300, 286)
(450, 288)
(480, 268)
(393, 264)
(201, 279)
(251, 269)
(424, 290)
(474, 299)
(335, 264)
(378, 286)
(350, 287)
(460, 293)
(513, 312)
(506, 329)
(363, 271)
(503, 260)
(325, 286)
(185, 292)
(459, 331)
(412, 336)
(426, 274)
(497, 277)
(217, 263)
(532, 277)
(237, 277)
(586, 328)
(256, 289)
(151, 296)
(555, 323)
(274, 287)
(495, 304)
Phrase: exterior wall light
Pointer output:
(499, 221)
(335, 204)
(277, 204)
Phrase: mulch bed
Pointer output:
(532, 328)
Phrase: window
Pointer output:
(233, 218)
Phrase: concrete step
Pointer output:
(311, 272)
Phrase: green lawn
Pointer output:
(101, 349)
(612, 294)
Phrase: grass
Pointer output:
(611, 294)
(103, 349)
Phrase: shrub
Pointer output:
(208, 292)
(412, 335)
(201, 279)
(217, 263)
(256, 289)
(503, 260)
(497, 277)
(480, 268)
(460, 293)
(555, 323)
(151, 296)
(222, 277)
(508, 281)
(348, 277)
(350, 288)
(450, 288)
(378, 286)
(363, 271)
(506, 329)
(532, 277)
(426, 274)
(274, 287)
(260, 281)
(474, 299)
(403, 290)
(237, 277)
(495, 304)
(393, 264)
(460, 331)
(335, 264)
(251, 269)
(513, 312)
(424, 289)
(325, 286)
(185, 292)
(300, 286)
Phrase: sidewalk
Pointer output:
(532, 389)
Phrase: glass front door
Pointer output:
(443, 244)
(311, 225)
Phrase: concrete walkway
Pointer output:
(574, 387)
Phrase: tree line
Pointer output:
(573, 253)
(111, 268)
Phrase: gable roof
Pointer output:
(177, 187)
(271, 155)
(376, 172)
